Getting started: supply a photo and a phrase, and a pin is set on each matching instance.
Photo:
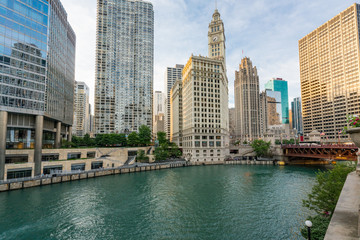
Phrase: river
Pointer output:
(212, 202)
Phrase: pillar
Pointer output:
(58, 135)
(39, 124)
(3, 130)
(69, 137)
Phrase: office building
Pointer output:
(176, 110)
(297, 115)
(172, 74)
(37, 71)
(232, 125)
(82, 112)
(247, 102)
(270, 110)
(330, 74)
(124, 66)
(205, 113)
(159, 103)
(280, 85)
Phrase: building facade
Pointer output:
(82, 112)
(247, 102)
(330, 74)
(297, 115)
(159, 103)
(205, 113)
(280, 85)
(124, 66)
(270, 110)
(232, 126)
(176, 120)
(37, 72)
(172, 75)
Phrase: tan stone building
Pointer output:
(330, 73)
(247, 101)
(81, 125)
(232, 125)
(176, 126)
(205, 113)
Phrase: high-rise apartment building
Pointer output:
(205, 113)
(37, 72)
(297, 115)
(159, 103)
(280, 85)
(82, 113)
(247, 101)
(172, 74)
(124, 65)
(330, 73)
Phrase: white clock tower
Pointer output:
(216, 38)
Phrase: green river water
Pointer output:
(212, 202)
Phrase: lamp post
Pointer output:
(309, 225)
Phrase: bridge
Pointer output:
(327, 152)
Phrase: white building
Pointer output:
(172, 74)
(124, 66)
(81, 125)
(205, 113)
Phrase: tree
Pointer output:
(141, 157)
(161, 137)
(133, 139)
(326, 192)
(319, 228)
(144, 135)
(261, 147)
(245, 142)
(277, 142)
(121, 140)
(87, 141)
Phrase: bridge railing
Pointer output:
(337, 146)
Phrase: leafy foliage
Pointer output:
(353, 121)
(144, 135)
(133, 139)
(277, 142)
(326, 192)
(261, 147)
(141, 157)
(161, 136)
(167, 150)
(319, 228)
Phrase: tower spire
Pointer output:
(215, 4)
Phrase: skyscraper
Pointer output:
(330, 73)
(37, 71)
(124, 65)
(247, 101)
(280, 85)
(297, 115)
(172, 74)
(82, 113)
(159, 112)
(205, 113)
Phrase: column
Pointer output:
(39, 123)
(70, 134)
(3, 130)
(58, 135)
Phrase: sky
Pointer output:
(267, 31)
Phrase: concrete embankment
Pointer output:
(17, 184)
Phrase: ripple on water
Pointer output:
(218, 202)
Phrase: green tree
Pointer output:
(326, 192)
(261, 147)
(319, 228)
(161, 137)
(133, 139)
(87, 141)
(161, 153)
(144, 135)
(141, 157)
(121, 140)
(245, 142)
(277, 142)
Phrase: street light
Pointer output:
(309, 225)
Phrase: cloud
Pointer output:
(268, 32)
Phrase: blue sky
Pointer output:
(266, 30)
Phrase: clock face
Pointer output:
(215, 39)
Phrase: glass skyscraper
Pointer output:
(124, 65)
(37, 75)
(280, 85)
(297, 115)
